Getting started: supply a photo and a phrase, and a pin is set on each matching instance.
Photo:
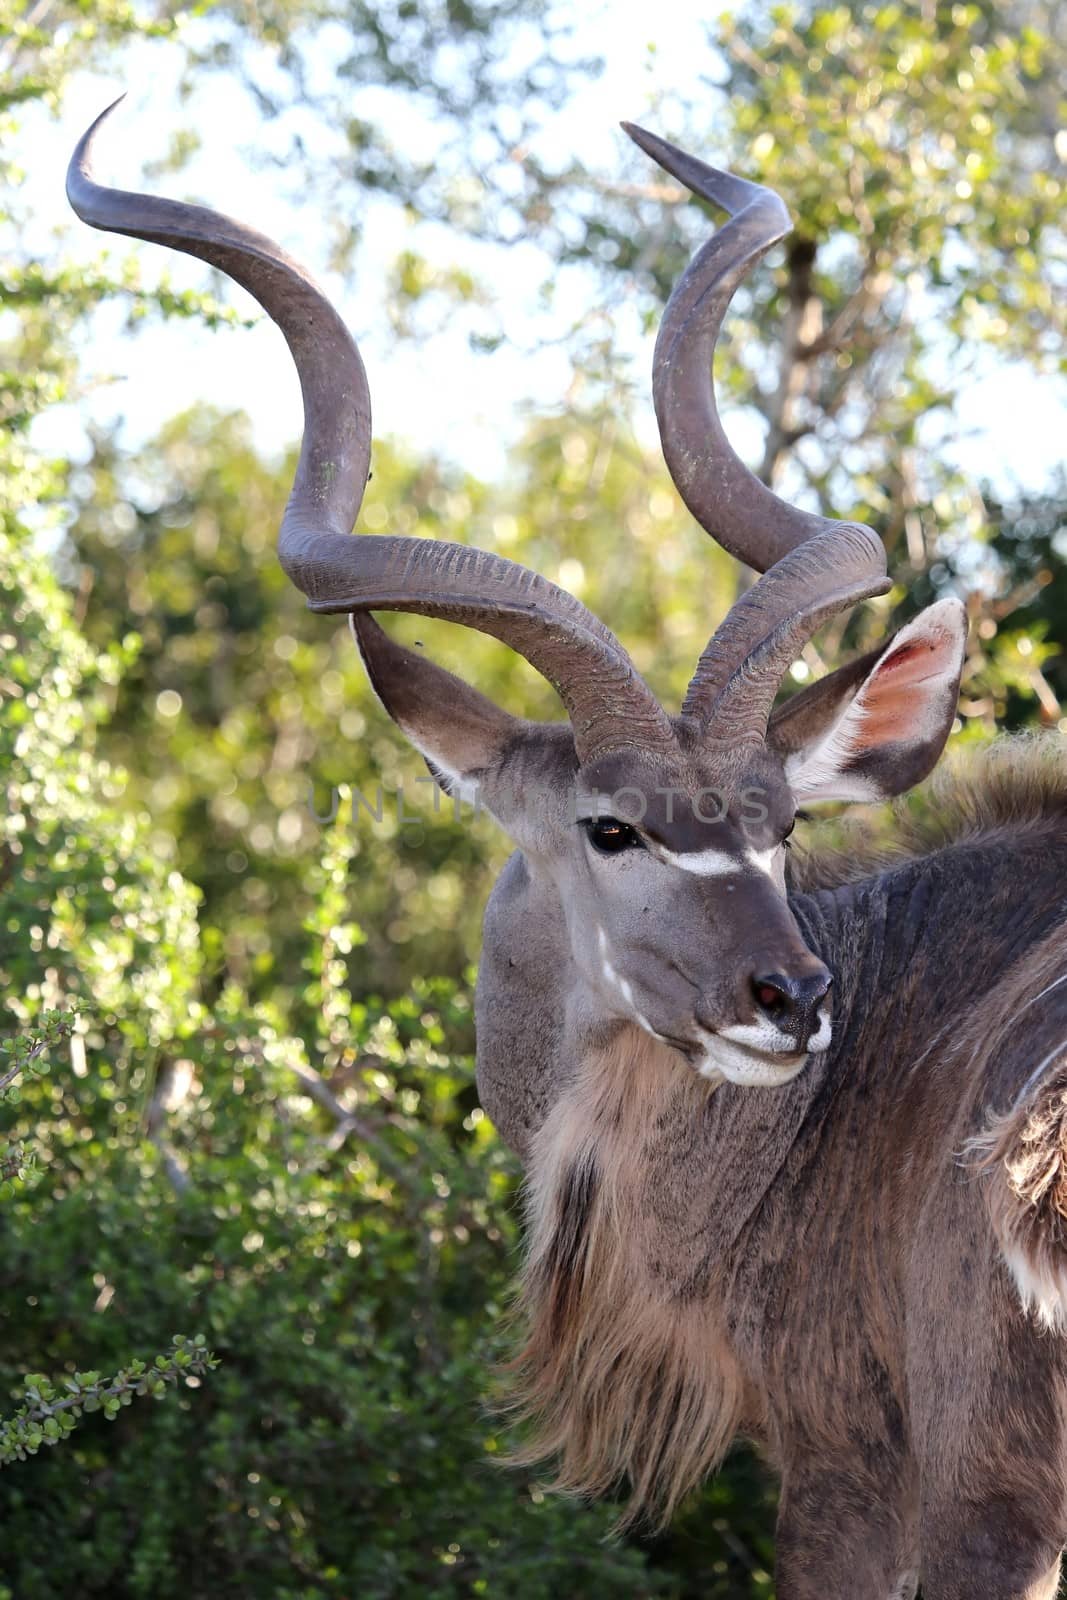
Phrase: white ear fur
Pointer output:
(889, 733)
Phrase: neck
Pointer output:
(916, 948)
(622, 1375)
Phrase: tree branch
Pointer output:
(802, 326)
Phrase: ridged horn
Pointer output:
(609, 705)
(814, 566)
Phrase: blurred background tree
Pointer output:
(267, 1124)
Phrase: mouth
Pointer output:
(759, 1056)
(755, 1056)
(747, 1064)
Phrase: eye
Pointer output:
(798, 816)
(609, 836)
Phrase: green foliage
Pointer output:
(21, 1057)
(51, 1414)
(340, 1225)
(93, 917)
(340, 1446)
(920, 139)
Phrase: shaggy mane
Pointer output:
(1014, 782)
(621, 1380)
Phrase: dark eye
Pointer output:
(610, 836)
(801, 816)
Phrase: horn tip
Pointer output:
(103, 116)
(79, 171)
(724, 189)
(646, 141)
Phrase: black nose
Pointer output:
(792, 1004)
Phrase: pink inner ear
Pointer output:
(889, 710)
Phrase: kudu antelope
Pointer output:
(833, 1221)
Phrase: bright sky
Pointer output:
(437, 394)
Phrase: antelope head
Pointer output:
(663, 836)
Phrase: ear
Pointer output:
(875, 727)
(515, 770)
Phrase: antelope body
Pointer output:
(834, 1220)
(859, 1270)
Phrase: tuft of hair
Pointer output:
(1017, 1045)
(1015, 781)
(619, 1380)
(1024, 1154)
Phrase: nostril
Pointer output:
(771, 995)
(792, 1004)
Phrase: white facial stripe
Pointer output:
(703, 863)
(608, 969)
(719, 863)
(643, 1022)
(623, 985)
(763, 860)
(605, 964)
